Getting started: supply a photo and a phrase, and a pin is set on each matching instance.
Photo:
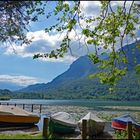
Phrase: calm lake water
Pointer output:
(74, 102)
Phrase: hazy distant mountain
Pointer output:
(75, 80)
(10, 86)
(5, 92)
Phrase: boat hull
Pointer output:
(119, 125)
(16, 120)
(95, 125)
(95, 128)
(57, 127)
(7, 124)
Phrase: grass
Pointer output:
(21, 136)
(29, 136)
(37, 136)
(124, 135)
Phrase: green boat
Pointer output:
(63, 123)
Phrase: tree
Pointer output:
(14, 18)
(111, 26)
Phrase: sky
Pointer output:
(18, 69)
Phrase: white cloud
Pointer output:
(66, 59)
(90, 8)
(44, 43)
(19, 79)
(41, 35)
(12, 49)
(120, 3)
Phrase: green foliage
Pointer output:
(66, 21)
(94, 58)
(124, 135)
(121, 134)
(106, 34)
(20, 136)
(5, 94)
(112, 27)
(137, 68)
(15, 16)
(4, 98)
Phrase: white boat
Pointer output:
(15, 116)
(95, 125)
(62, 122)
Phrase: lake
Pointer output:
(75, 102)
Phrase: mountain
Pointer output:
(10, 86)
(5, 94)
(74, 83)
(78, 69)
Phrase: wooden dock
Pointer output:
(24, 105)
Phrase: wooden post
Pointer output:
(32, 107)
(84, 129)
(129, 130)
(40, 107)
(45, 127)
(23, 106)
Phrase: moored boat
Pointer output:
(120, 123)
(95, 125)
(62, 122)
(15, 116)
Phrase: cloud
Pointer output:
(19, 79)
(44, 42)
(41, 43)
(120, 3)
(66, 59)
(90, 8)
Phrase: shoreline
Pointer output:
(76, 111)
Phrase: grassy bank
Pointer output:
(21, 136)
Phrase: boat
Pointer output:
(15, 116)
(95, 125)
(120, 123)
(62, 122)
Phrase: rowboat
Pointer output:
(15, 116)
(62, 122)
(120, 123)
(95, 125)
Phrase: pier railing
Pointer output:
(24, 105)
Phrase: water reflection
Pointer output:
(40, 123)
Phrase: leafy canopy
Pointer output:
(112, 27)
